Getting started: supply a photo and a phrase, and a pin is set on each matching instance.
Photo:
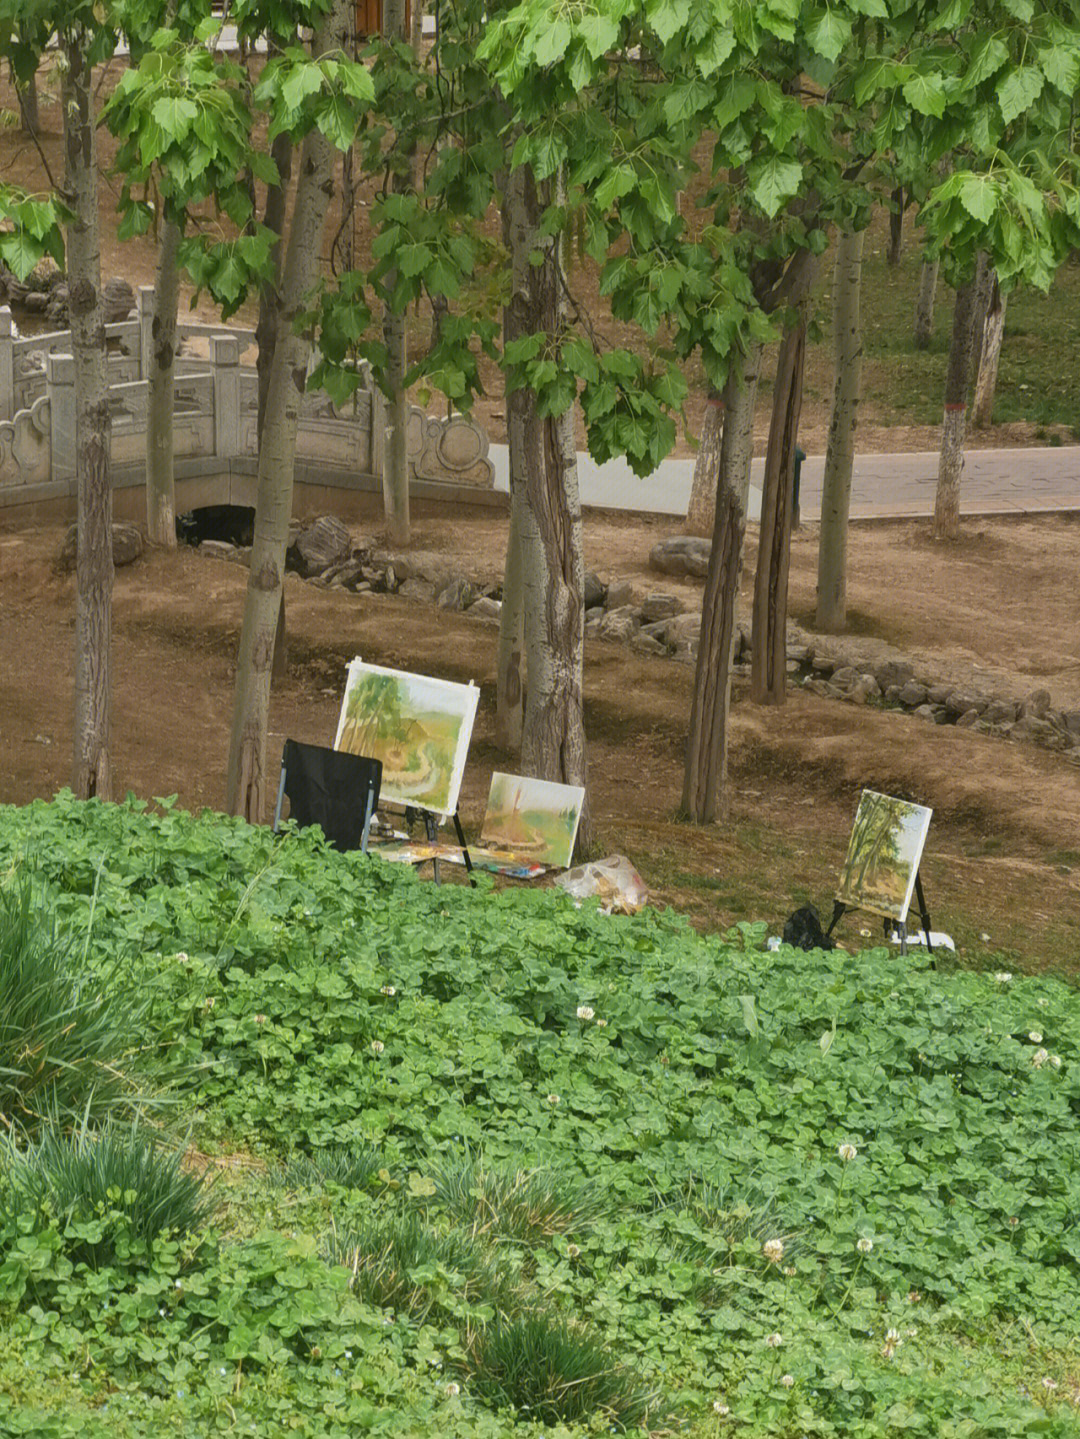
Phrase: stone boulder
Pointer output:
(621, 624)
(118, 300)
(595, 590)
(682, 630)
(894, 672)
(127, 546)
(319, 545)
(660, 606)
(912, 694)
(999, 712)
(1036, 705)
(457, 595)
(486, 609)
(681, 555)
(619, 594)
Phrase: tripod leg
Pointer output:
(839, 909)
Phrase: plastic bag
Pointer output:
(614, 881)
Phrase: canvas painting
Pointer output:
(883, 855)
(532, 819)
(418, 726)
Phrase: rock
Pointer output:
(417, 589)
(322, 543)
(912, 694)
(660, 606)
(457, 595)
(36, 302)
(117, 300)
(682, 629)
(592, 629)
(57, 308)
(218, 550)
(485, 609)
(681, 555)
(938, 694)
(1036, 705)
(799, 654)
(127, 546)
(595, 590)
(621, 624)
(845, 677)
(1030, 727)
(686, 652)
(656, 631)
(958, 703)
(999, 712)
(968, 718)
(390, 580)
(344, 574)
(823, 665)
(417, 565)
(619, 594)
(644, 644)
(823, 688)
(1071, 720)
(594, 612)
(864, 688)
(925, 712)
(893, 672)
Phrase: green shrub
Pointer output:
(68, 1038)
(554, 1372)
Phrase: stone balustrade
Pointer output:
(215, 423)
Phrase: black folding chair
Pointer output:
(330, 788)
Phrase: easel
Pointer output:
(431, 831)
(840, 909)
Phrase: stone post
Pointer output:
(225, 356)
(144, 309)
(60, 387)
(7, 365)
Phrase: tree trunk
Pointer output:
(983, 298)
(160, 482)
(395, 476)
(924, 304)
(986, 382)
(840, 452)
(91, 772)
(953, 426)
(553, 741)
(701, 511)
(281, 152)
(768, 651)
(27, 96)
(896, 226)
(246, 784)
(705, 795)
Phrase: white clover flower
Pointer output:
(585, 1011)
(787, 1380)
(553, 1099)
(773, 1250)
(453, 1390)
(789, 1270)
(1003, 976)
(1035, 1036)
(388, 990)
(1049, 1384)
(888, 1350)
(601, 1024)
(572, 1251)
(864, 1246)
(377, 1046)
(209, 1002)
(1055, 1061)
(719, 1407)
(260, 1019)
(1040, 1057)
(181, 957)
(847, 1152)
(892, 1336)
(914, 1297)
(774, 1341)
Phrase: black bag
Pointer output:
(803, 930)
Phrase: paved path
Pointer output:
(995, 482)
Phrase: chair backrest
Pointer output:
(327, 787)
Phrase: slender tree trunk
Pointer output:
(395, 453)
(160, 481)
(281, 152)
(986, 381)
(553, 742)
(840, 452)
(768, 651)
(416, 27)
(705, 793)
(954, 423)
(983, 298)
(91, 770)
(924, 304)
(896, 226)
(701, 511)
(27, 96)
(246, 792)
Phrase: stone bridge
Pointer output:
(339, 448)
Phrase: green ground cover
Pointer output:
(518, 1167)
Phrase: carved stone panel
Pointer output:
(449, 451)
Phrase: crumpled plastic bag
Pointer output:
(614, 881)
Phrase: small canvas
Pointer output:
(418, 726)
(883, 855)
(533, 820)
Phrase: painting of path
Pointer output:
(533, 818)
(883, 855)
(418, 726)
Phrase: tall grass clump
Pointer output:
(350, 1166)
(506, 1202)
(553, 1372)
(68, 1037)
(107, 1193)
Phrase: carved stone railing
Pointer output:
(215, 417)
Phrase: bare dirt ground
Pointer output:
(999, 608)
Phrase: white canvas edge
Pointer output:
(468, 719)
(578, 790)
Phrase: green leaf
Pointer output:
(175, 115)
(304, 79)
(774, 182)
(1019, 91)
(749, 1014)
(599, 33)
(551, 44)
(979, 197)
(828, 35)
(1061, 66)
(667, 17)
(924, 93)
(988, 55)
(413, 260)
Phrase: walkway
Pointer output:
(995, 482)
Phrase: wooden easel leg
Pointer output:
(924, 915)
(839, 910)
(431, 829)
(464, 848)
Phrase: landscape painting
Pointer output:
(418, 726)
(883, 855)
(532, 818)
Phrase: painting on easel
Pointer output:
(418, 726)
(883, 855)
